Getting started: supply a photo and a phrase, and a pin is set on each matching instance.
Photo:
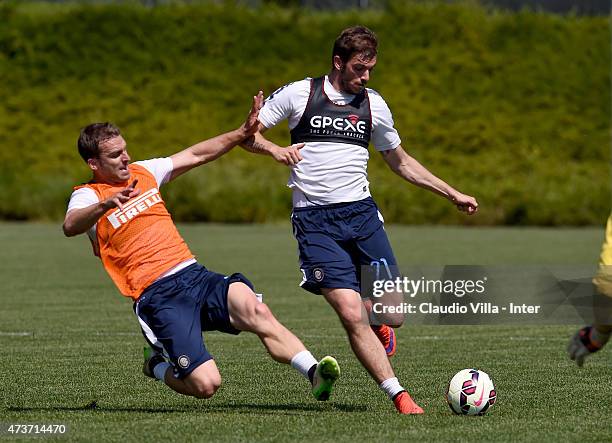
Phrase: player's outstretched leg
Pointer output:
(587, 341)
(368, 349)
(247, 313)
(591, 339)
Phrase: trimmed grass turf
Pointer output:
(69, 340)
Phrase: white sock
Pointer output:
(160, 370)
(303, 361)
(391, 387)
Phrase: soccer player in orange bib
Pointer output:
(175, 298)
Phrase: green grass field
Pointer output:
(71, 349)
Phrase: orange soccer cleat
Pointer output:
(406, 405)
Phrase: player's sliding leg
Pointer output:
(176, 318)
(368, 349)
(247, 313)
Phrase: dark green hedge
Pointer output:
(512, 108)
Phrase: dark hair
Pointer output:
(355, 40)
(92, 135)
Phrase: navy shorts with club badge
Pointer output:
(174, 311)
(336, 240)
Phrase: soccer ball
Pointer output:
(470, 392)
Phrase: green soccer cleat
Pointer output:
(325, 375)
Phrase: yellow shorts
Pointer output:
(603, 278)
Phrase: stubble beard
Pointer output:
(346, 85)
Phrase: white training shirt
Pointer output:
(330, 172)
(160, 168)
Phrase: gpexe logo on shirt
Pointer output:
(134, 207)
(348, 124)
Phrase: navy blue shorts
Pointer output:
(336, 240)
(175, 310)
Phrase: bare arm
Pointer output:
(81, 220)
(411, 170)
(258, 144)
(213, 148)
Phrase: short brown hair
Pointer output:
(92, 135)
(355, 40)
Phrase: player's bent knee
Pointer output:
(206, 391)
(205, 388)
(260, 318)
(349, 307)
(204, 381)
(262, 312)
(352, 318)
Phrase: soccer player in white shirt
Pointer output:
(335, 220)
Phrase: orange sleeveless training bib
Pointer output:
(140, 242)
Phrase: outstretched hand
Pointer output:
(465, 203)
(117, 200)
(251, 125)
